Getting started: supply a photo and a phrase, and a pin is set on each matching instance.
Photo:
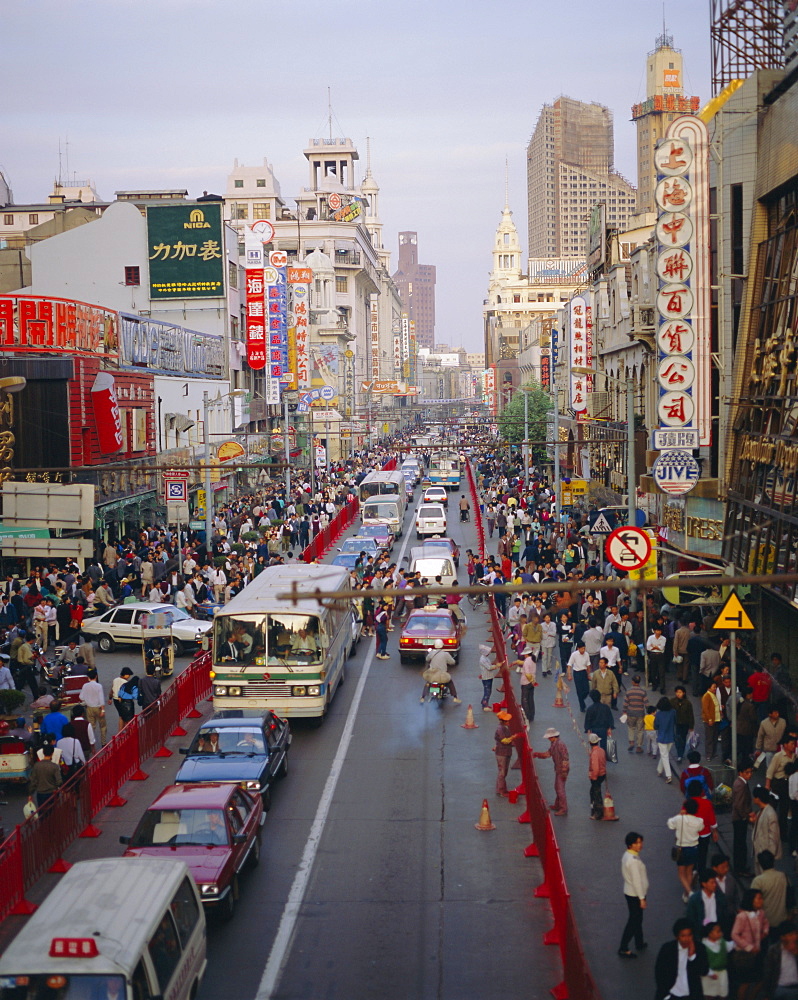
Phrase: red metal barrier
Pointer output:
(578, 982)
(327, 537)
(40, 842)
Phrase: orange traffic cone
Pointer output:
(609, 809)
(558, 700)
(484, 818)
(469, 722)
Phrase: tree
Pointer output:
(511, 420)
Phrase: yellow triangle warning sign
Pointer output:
(733, 616)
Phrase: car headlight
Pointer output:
(314, 691)
(299, 690)
(251, 786)
(209, 889)
(234, 691)
(220, 690)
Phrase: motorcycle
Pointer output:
(51, 672)
(438, 692)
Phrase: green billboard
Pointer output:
(186, 251)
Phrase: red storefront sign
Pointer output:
(34, 323)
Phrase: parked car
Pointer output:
(430, 520)
(444, 543)
(214, 828)
(436, 494)
(382, 533)
(243, 747)
(346, 559)
(425, 625)
(122, 626)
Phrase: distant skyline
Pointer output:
(167, 93)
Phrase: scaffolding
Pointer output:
(746, 35)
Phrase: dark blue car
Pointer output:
(239, 747)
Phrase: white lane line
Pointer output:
(296, 897)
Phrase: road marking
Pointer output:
(296, 897)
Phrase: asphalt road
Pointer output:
(373, 881)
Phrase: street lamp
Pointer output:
(13, 383)
(206, 405)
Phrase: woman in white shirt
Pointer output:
(687, 826)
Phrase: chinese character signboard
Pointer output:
(375, 337)
(579, 353)
(490, 389)
(186, 256)
(277, 313)
(255, 302)
(682, 230)
(35, 324)
(300, 322)
(545, 369)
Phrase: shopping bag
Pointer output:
(612, 749)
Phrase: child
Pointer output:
(649, 732)
(716, 984)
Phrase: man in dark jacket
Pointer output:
(780, 976)
(150, 690)
(698, 903)
(599, 719)
(680, 965)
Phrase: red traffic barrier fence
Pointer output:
(578, 982)
(38, 844)
(329, 536)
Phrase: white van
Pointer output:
(431, 563)
(386, 509)
(430, 519)
(127, 927)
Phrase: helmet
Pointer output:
(438, 644)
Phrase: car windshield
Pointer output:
(434, 566)
(225, 740)
(426, 624)
(358, 545)
(374, 531)
(176, 827)
(61, 986)
(384, 509)
(280, 639)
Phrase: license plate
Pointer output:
(426, 642)
(429, 524)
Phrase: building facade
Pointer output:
(416, 284)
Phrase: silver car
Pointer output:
(122, 626)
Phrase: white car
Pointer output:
(122, 626)
(430, 519)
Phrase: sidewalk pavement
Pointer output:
(592, 852)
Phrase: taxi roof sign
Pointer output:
(733, 616)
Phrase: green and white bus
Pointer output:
(284, 655)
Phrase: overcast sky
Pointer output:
(166, 93)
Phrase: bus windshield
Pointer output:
(257, 640)
(381, 488)
(387, 510)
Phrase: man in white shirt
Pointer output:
(635, 890)
(579, 673)
(93, 697)
(594, 637)
(655, 645)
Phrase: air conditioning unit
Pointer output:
(599, 405)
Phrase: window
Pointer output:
(341, 282)
(33, 219)
(240, 211)
(124, 616)
(132, 275)
(261, 210)
(260, 182)
(8, 220)
(185, 911)
(238, 183)
(506, 239)
(165, 951)
(232, 274)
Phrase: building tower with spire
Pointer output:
(665, 100)
(416, 284)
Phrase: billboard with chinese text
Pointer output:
(186, 255)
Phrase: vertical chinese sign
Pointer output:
(490, 389)
(375, 337)
(577, 312)
(277, 314)
(255, 302)
(299, 278)
(682, 197)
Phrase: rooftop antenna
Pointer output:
(59, 162)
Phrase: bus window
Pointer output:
(239, 640)
(293, 639)
(141, 986)
(164, 951)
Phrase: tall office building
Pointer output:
(416, 284)
(665, 100)
(569, 168)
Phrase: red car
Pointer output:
(214, 828)
(425, 625)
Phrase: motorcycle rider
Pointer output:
(438, 659)
(465, 508)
